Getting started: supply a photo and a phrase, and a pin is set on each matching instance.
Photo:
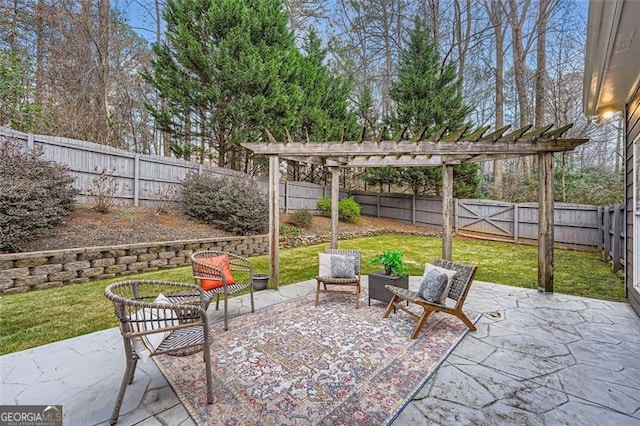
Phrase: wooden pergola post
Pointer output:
(545, 222)
(274, 221)
(447, 212)
(335, 198)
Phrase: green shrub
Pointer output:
(324, 205)
(289, 230)
(301, 218)
(348, 209)
(36, 194)
(230, 203)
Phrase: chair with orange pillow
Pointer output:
(214, 271)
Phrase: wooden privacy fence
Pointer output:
(139, 179)
(613, 233)
(148, 180)
(576, 226)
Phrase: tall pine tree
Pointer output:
(227, 71)
(324, 113)
(230, 68)
(427, 94)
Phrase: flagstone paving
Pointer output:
(536, 359)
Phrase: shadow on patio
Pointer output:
(535, 359)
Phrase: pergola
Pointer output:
(441, 149)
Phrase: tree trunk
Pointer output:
(495, 15)
(541, 63)
(39, 77)
(462, 39)
(102, 89)
(519, 64)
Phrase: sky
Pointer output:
(140, 15)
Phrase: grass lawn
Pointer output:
(39, 317)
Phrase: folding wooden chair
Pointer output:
(459, 288)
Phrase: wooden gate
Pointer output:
(491, 218)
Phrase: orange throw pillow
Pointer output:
(221, 262)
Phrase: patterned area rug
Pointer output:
(295, 364)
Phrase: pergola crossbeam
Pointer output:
(418, 136)
(437, 136)
(476, 135)
(537, 133)
(555, 134)
(455, 136)
(516, 134)
(398, 137)
(497, 134)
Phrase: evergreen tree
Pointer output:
(427, 94)
(227, 71)
(323, 114)
(381, 176)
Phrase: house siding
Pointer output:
(632, 130)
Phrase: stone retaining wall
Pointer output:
(20, 272)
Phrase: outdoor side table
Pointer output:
(378, 280)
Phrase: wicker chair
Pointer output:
(459, 288)
(204, 271)
(339, 283)
(159, 317)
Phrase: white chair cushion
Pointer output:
(324, 265)
(146, 344)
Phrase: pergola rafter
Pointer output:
(441, 148)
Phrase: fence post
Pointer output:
(413, 209)
(516, 223)
(617, 227)
(30, 142)
(136, 180)
(606, 225)
(378, 206)
(456, 221)
(600, 231)
(286, 196)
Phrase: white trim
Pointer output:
(608, 86)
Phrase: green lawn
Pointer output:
(39, 317)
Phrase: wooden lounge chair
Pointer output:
(459, 288)
(336, 285)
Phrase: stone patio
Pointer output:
(536, 359)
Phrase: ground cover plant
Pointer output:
(80, 309)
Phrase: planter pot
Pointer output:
(260, 281)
